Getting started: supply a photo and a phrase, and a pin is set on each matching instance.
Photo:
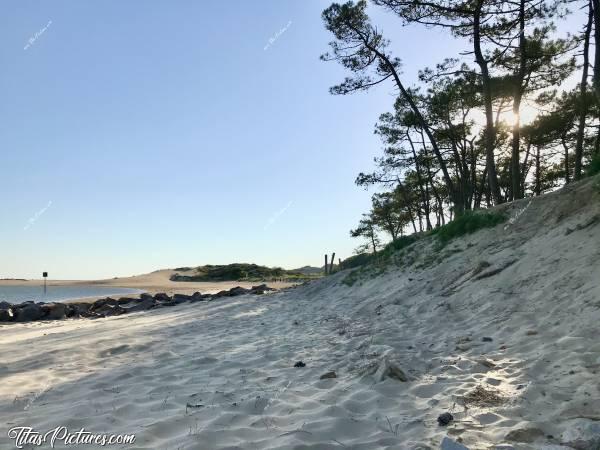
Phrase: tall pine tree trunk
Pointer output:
(524, 167)
(596, 6)
(563, 139)
(515, 174)
(422, 186)
(490, 134)
(538, 172)
(373, 242)
(583, 93)
(429, 179)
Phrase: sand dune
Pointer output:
(501, 331)
(153, 282)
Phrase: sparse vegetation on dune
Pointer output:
(362, 259)
(468, 223)
(594, 167)
(239, 272)
(399, 250)
(425, 250)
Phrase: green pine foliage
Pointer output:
(594, 167)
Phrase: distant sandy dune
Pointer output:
(153, 282)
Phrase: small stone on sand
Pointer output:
(445, 419)
(327, 375)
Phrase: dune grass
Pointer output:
(372, 264)
(363, 259)
(468, 223)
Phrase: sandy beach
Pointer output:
(409, 190)
(509, 348)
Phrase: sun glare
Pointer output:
(527, 115)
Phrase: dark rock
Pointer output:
(260, 289)
(160, 297)
(5, 305)
(299, 364)
(198, 297)
(144, 305)
(487, 339)
(55, 311)
(108, 310)
(77, 309)
(445, 419)
(126, 300)
(116, 311)
(29, 312)
(221, 294)
(103, 302)
(238, 290)
(166, 304)
(91, 315)
(327, 375)
(6, 315)
(71, 311)
(181, 298)
(145, 296)
(22, 305)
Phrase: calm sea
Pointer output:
(17, 294)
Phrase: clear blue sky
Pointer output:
(144, 135)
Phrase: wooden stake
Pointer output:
(332, 260)
(326, 264)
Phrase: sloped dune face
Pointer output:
(499, 329)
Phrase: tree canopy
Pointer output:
(460, 139)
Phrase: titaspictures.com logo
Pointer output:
(28, 436)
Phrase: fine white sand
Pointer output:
(220, 375)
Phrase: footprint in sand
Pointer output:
(114, 351)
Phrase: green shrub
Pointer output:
(352, 277)
(231, 272)
(381, 256)
(594, 167)
(468, 223)
(398, 244)
(356, 261)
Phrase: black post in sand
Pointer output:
(45, 275)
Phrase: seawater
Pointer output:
(18, 294)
